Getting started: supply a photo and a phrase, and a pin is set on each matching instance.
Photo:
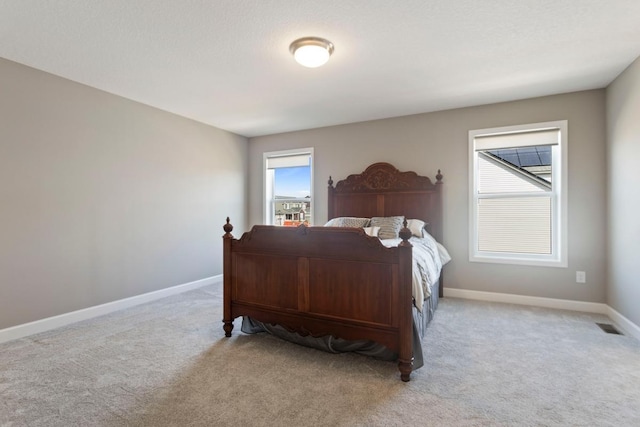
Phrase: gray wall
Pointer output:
(432, 141)
(102, 198)
(623, 157)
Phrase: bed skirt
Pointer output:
(338, 345)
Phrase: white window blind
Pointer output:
(519, 225)
(517, 139)
(291, 161)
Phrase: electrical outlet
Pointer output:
(581, 277)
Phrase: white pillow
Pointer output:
(372, 231)
(416, 226)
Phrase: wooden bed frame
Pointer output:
(336, 281)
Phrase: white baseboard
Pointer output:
(35, 327)
(625, 324)
(561, 304)
(26, 329)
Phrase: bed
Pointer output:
(340, 282)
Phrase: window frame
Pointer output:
(559, 199)
(266, 203)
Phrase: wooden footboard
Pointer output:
(322, 281)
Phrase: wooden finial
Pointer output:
(439, 176)
(228, 228)
(330, 181)
(405, 234)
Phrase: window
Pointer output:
(288, 195)
(518, 194)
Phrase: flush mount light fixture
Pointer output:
(311, 52)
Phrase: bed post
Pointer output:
(227, 239)
(405, 353)
(440, 231)
(330, 199)
(437, 212)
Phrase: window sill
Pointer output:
(514, 260)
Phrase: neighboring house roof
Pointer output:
(532, 163)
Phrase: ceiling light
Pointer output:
(311, 52)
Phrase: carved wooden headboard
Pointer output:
(382, 190)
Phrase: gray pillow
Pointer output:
(390, 226)
(348, 221)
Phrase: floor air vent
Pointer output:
(610, 329)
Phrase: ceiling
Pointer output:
(226, 62)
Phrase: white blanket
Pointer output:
(427, 264)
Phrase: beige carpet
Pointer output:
(167, 363)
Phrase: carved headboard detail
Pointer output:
(385, 177)
(383, 190)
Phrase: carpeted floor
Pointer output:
(168, 363)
